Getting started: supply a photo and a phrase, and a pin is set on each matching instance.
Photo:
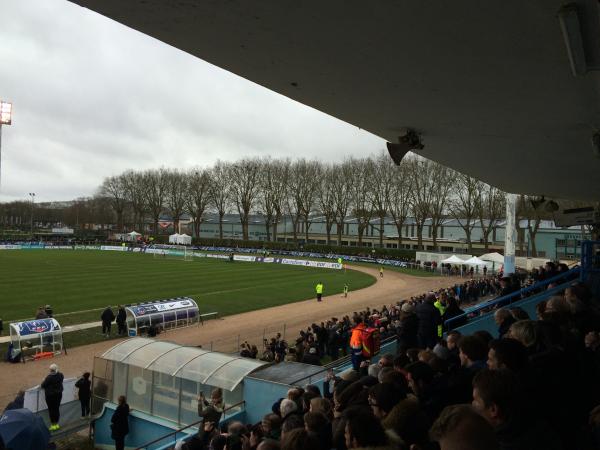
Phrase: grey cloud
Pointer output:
(93, 98)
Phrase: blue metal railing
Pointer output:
(486, 322)
(513, 297)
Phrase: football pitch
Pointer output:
(79, 280)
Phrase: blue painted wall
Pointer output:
(259, 396)
(143, 428)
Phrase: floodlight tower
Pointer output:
(32, 195)
(5, 119)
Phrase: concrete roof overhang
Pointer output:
(488, 84)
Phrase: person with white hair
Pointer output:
(53, 389)
(286, 407)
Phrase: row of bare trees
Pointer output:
(370, 190)
(366, 189)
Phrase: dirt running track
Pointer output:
(392, 287)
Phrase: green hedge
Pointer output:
(317, 248)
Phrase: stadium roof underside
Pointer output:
(487, 84)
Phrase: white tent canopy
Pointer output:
(182, 239)
(475, 261)
(132, 237)
(493, 257)
(185, 239)
(453, 260)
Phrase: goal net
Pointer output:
(181, 252)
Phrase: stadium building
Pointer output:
(550, 241)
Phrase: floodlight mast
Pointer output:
(5, 119)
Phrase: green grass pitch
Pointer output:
(80, 280)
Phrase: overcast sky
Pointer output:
(92, 98)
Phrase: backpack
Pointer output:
(371, 344)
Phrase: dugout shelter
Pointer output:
(37, 337)
(162, 382)
(166, 314)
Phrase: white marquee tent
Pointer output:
(185, 239)
(181, 239)
(493, 257)
(453, 260)
(475, 261)
(132, 237)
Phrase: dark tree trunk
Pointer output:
(221, 215)
(420, 237)
(328, 227)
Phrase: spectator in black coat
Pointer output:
(120, 423)
(504, 319)
(311, 357)
(84, 393)
(453, 310)
(121, 321)
(429, 319)
(459, 426)
(107, 318)
(498, 397)
(406, 335)
(53, 389)
(17, 403)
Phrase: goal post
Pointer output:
(179, 252)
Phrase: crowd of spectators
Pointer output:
(328, 340)
(533, 387)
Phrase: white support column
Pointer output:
(510, 234)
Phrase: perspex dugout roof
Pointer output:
(191, 363)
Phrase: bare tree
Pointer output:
(175, 197)
(442, 178)
(113, 188)
(220, 190)
(197, 196)
(326, 199)
(422, 187)
(134, 191)
(302, 187)
(280, 191)
(464, 203)
(362, 194)
(532, 217)
(155, 191)
(272, 192)
(491, 207)
(399, 197)
(382, 181)
(342, 199)
(244, 189)
(309, 192)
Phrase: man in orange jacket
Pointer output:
(356, 343)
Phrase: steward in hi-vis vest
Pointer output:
(319, 290)
(356, 343)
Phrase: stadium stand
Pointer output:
(534, 388)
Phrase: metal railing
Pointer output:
(175, 432)
(513, 297)
(336, 365)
